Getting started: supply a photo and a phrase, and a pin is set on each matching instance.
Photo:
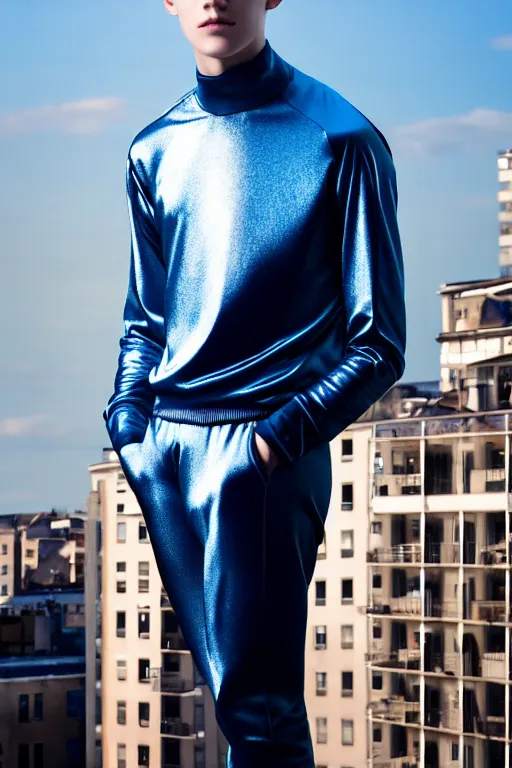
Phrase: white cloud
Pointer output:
(503, 42)
(88, 116)
(479, 129)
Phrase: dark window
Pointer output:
(346, 447)
(121, 624)
(143, 751)
(320, 592)
(347, 684)
(38, 706)
(143, 535)
(346, 591)
(74, 703)
(377, 734)
(144, 714)
(23, 755)
(347, 496)
(120, 507)
(38, 755)
(23, 708)
(377, 631)
(144, 624)
(377, 681)
(377, 580)
(121, 712)
(144, 670)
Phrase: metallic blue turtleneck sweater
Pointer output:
(266, 277)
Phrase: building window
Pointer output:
(121, 623)
(347, 496)
(143, 536)
(376, 681)
(321, 683)
(121, 532)
(347, 636)
(29, 553)
(23, 755)
(23, 708)
(38, 755)
(4, 549)
(38, 706)
(74, 703)
(199, 756)
(346, 448)
(377, 735)
(4, 570)
(321, 553)
(377, 528)
(377, 581)
(143, 670)
(347, 543)
(121, 586)
(143, 755)
(321, 730)
(144, 624)
(455, 751)
(121, 712)
(347, 732)
(320, 637)
(377, 630)
(121, 567)
(347, 684)
(144, 568)
(121, 756)
(144, 714)
(120, 507)
(320, 592)
(121, 669)
(347, 595)
(4, 589)
(415, 530)
(143, 585)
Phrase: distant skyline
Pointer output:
(78, 81)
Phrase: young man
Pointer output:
(265, 313)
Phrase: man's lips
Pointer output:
(215, 22)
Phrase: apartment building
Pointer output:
(41, 550)
(42, 681)
(152, 706)
(335, 689)
(504, 163)
(438, 606)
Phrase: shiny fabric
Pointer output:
(266, 278)
(236, 548)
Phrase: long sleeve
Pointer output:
(372, 282)
(142, 345)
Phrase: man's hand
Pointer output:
(266, 453)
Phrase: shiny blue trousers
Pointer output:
(236, 547)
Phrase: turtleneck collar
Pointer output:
(244, 86)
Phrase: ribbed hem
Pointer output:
(210, 415)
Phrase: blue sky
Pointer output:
(79, 80)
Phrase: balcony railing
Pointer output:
(493, 666)
(448, 718)
(400, 553)
(173, 726)
(488, 610)
(397, 485)
(396, 708)
(403, 658)
(444, 552)
(445, 609)
(173, 641)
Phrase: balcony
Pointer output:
(448, 718)
(400, 553)
(404, 658)
(445, 553)
(494, 554)
(398, 485)
(488, 610)
(396, 709)
(173, 641)
(174, 726)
